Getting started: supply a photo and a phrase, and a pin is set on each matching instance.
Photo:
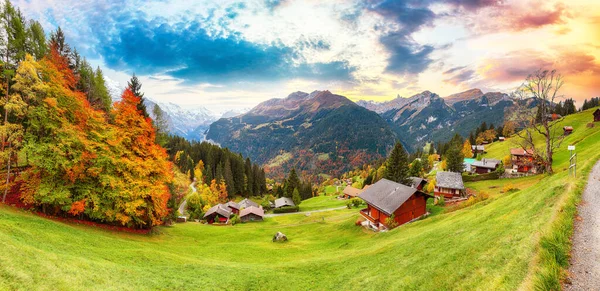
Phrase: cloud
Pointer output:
(459, 75)
(538, 18)
(406, 57)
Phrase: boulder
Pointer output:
(279, 237)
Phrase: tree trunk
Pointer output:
(549, 153)
(7, 174)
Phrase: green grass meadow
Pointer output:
(516, 240)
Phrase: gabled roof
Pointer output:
(233, 205)
(449, 180)
(284, 201)
(478, 147)
(387, 196)
(597, 112)
(247, 203)
(486, 163)
(252, 210)
(220, 209)
(351, 191)
(521, 152)
(416, 181)
(568, 128)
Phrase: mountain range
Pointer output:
(317, 131)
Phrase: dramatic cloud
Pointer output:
(459, 75)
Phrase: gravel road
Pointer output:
(304, 212)
(584, 272)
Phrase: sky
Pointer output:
(231, 55)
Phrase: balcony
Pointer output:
(365, 214)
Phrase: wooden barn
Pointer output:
(597, 115)
(449, 184)
(284, 201)
(234, 207)
(523, 161)
(247, 203)
(485, 166)
(477, 149)
(252, 214)
(350, 192)
(418, 183)
(387, 198)
(567, 130)
(218, 214)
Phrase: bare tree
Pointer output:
(542, 87)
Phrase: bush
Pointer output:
(235, 219)
(286, 209)
(349, 204)
(509, 188)
(391, 221)
(481, 177)
(441, 201)
(266, 205)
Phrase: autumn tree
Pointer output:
(397, 165)
(544, 87)
(509, 128)
(467, 150)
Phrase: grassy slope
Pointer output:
(491, 245)
(321, 202)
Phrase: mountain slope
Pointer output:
(191, 122)
(318, 131)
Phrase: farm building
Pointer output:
(247, 203)
(485, 166)
(568, 130)
(218, 214)
(252, 214)
(597, 115)
(523, 161)
(234, 207)
(386, 199)
(478, 149)
(449, 184)
(418, 183)
(284, 201)
(350, 192)
(501, 138)
(553, 117)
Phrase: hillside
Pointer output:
(505, 243)
(320, 131)
(427, 117)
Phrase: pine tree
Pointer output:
(454, 159)
(296, 197)
(136, 86)
(416, 168)
(397, 165)
(228, 177)
(162, 126)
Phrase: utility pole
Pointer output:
(572, 161)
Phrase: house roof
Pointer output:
(469, 161)
(416, 181)
(351, 191)
(220, 209)
(486, 163)
(478, 147)
(387, 196)
(520, 152)
(247, 203)
(449, 180)
(568, 128)
(252, 210)
(597, 112)
(232, 204)
(284, 201)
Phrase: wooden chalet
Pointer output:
(449, 185)
(218, 214)
(234, 207)
(485, 166)
(350, 192)
(501, 138)
(387, 198)
(247, 203)
(252, 213)
(523, 161)
(418, 183)
(567, 130)
(284, 201)
(478, 149)
(553, 117)
(597, 115)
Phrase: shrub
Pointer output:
(235, 219)
(441, 201)
(349, 204)
(266, 205)
(391, 221)
(286, 209)
(356, 202)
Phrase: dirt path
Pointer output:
(305, 212)
(584, 272)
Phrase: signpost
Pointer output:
(572, 160)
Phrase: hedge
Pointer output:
(286, 209)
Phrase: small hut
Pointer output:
(597, 115)
(567, 130)
(350, 192)
(252, 214)
(218, 214)
(247, 203)
(284, 201)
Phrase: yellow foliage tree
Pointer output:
(509, 128)
(430, 186)
(444, 165)
(467, 150)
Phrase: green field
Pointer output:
(510, 241)
(321, 202)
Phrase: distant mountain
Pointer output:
(319, 131)
(426, 117)
(190, 122)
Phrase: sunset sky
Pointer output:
(235, 54)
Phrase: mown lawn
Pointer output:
(321, 202)
(493, 245)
